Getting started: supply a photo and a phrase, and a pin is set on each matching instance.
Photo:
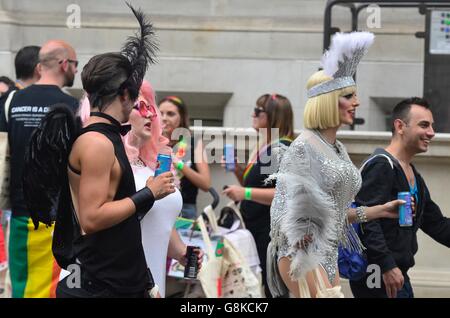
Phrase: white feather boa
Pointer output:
(309, 212)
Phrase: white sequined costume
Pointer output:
(315, 186)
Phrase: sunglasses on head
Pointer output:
(145, 110)
(258, 110)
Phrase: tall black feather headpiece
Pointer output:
(140, 50)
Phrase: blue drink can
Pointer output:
(405, 210)
(229, 157)
(163, 164)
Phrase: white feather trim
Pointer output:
(309, 212)
(343, 48)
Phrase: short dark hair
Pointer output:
(7, 81)
(26, 60)
(402, 109)
(105, 77)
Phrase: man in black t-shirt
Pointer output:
(34, 273)
(27, 73)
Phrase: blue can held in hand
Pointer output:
(405, 217)
(163, 164)
(229, 157)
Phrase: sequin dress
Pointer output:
(315, 185)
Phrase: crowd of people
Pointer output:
(89, 196)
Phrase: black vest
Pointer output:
(114, 256)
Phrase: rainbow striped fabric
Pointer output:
(33, 269)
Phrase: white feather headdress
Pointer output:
(341, 60)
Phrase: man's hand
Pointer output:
(162, 185)
(393, 279)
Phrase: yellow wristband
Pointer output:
(248, 194)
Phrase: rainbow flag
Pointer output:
(33, 269)
(3, 263)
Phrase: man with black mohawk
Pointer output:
(97, 225)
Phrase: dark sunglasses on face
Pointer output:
(145, 110)
(70, 61)
(258, 110)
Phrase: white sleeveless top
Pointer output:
(156, 227)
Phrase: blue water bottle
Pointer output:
(229, 157)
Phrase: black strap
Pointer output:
(123, 129)
(78, 172)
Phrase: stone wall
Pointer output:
(243, 48)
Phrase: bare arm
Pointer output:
(387, 210)
(97, 211)
(239, 173)
(259, 195)
(177, 248)
(263, 196)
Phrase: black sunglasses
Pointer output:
(70, 61)
(258, 110)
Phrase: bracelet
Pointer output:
(361, 216)
(180, 165)
(154, 291)
(143, 200)
(248, 194)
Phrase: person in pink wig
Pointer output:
(142, 145)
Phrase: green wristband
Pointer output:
(180, 165)
(248, 194)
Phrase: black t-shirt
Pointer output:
(27, 108)
(256, 215)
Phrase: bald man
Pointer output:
(34, 273)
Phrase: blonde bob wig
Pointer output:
(322, 111)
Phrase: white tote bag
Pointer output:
(209, 274)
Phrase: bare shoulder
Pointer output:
(94, 147)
